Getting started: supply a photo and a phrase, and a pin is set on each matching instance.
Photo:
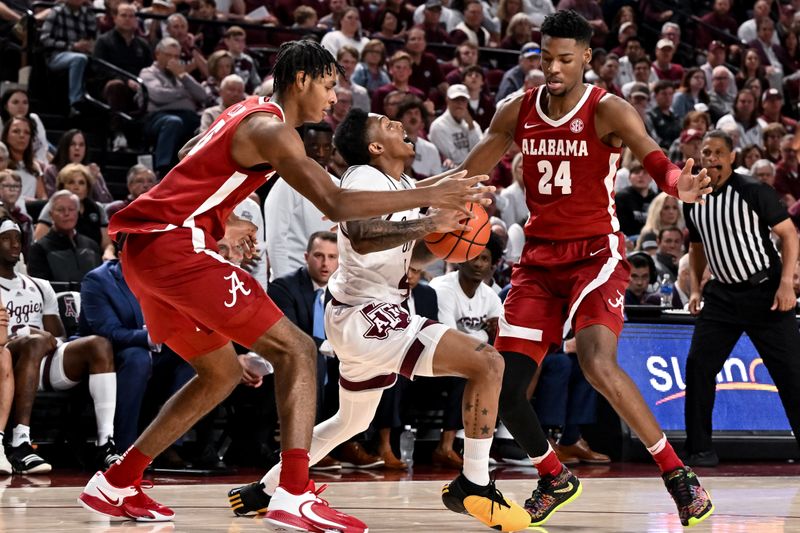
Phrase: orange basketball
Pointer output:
(460, 246)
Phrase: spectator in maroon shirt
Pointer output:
(400, 72)
(663, 66)
(425, 71)
(481, 104)
(719, 18)
(787, 181)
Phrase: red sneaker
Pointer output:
(130, 503)
(309, 512)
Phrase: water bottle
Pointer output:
(665, 290)
(407, 438)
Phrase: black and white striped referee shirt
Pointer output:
(734, 227)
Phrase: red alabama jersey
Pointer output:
(203, 189)
(569, 172)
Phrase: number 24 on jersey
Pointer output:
(561, 178)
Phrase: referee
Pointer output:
(751, 291)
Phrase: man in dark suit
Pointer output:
(109, 309)
(301, 297)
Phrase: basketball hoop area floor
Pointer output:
(616, 499)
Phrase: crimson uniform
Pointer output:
(192, 298)
(573, 259)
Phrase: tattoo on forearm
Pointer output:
(480, 347)
(375, 235)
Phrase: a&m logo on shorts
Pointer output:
(383, 318)
(576, 126)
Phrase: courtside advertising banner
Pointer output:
(654, 355)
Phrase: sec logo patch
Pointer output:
(576, 126)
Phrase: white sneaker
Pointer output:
(308, 512)
(5, 466)
(101, 497)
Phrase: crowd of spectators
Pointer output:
(433, 65)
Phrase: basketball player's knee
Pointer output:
(599, 371)
(494, 366)
(36, 345)
(100, 353)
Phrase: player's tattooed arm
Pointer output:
(376, 234)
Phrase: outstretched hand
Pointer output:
(692, 187)
(457, 191)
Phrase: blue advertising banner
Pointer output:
(654, 355)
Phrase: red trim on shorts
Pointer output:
(414, 353)
(378, 382)
(535, 350)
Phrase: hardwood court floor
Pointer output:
(743, 504)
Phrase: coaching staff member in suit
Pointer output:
(751, 291)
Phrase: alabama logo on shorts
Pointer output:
(384, 317)
(576, 126)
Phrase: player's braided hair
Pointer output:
(350, 138)
(303, 55)
(567, 24)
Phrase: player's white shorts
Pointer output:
(376, 341)
(52, 369)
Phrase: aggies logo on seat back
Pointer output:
(384, 317)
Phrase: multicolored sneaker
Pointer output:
(309, 512)
(694, 503)
(551, 494)
(101, 497)
(485, 503)
(25, 460)
(248, 499)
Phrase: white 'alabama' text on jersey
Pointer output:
(380, 275)
(27, 301)
(468, 315)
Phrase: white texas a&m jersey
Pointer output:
(379, 276)
(27, 301)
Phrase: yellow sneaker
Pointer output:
(486, 504)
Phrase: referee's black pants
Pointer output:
(729, 311)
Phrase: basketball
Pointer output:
(460, 246)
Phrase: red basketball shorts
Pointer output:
(558, 286)
(193, 300)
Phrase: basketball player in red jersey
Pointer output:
(196, 302)
(573, 272)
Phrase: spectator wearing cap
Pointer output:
(787, 180)
(471, 28)
(663, 66)
(748, 31)
(771, 105)
(426, 74)
(632, 53)
(455, 133)
(719, 18)
(639, 98)
(695, 120)
(627, 30)
(720, 99)
(481, 104)
(530, 58)
(716, 57)
(400, 69)
(447, 17)
(744, 118)
(661, 122)
(771, 136)
(691, 92)
(432, 25)
(764, 171)
(634, 201)
(690, 140)
(672, 31)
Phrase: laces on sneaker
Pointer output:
(495, 495)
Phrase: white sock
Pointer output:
(476, 460)
(658, 446)
(103, 389)
(20, 434)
